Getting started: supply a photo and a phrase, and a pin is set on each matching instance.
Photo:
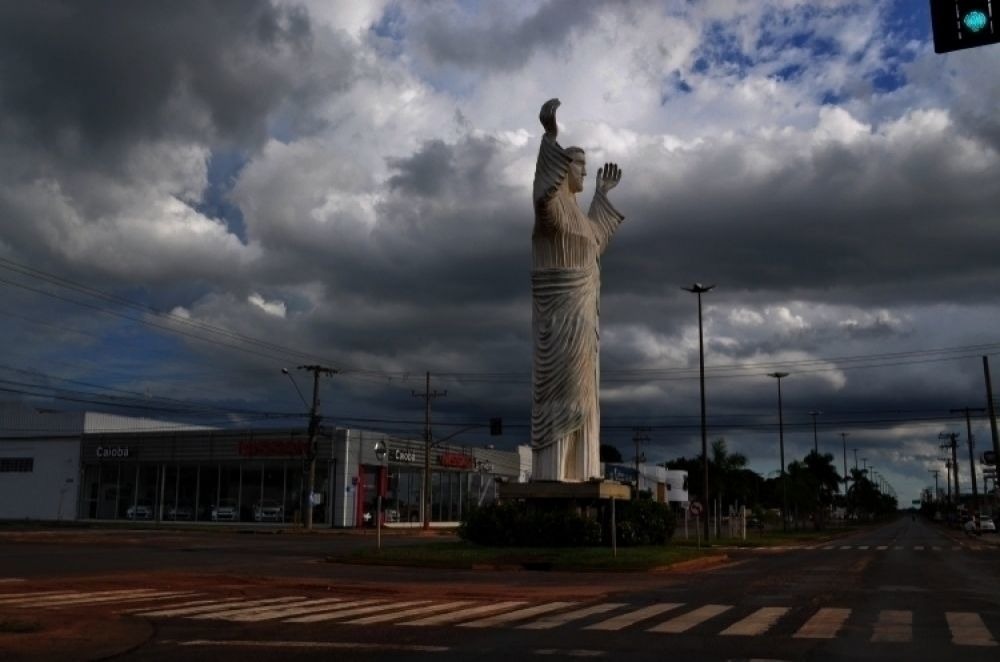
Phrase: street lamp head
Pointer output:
(284, 371)
(777, 375)
(698, 288)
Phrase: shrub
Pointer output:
(643, 522)
(513, 524)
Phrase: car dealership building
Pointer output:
(86, 466)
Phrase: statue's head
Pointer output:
(577, 169)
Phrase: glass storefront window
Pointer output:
(208, 491)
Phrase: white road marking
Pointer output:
(863, 547)
(336, 645)
(229, 614)
(845, 547)
(416, 611)
(882, 548)
(756, 623)
(11, 580)
(685, 622)
(463, 614)
(77, 598)
(918, 548)
(6, 598)
(358, 611)
(516, 615)
(893, 626)
(190, 603)
(284, 611)
(624, 620)
(556, 620)
(217, 606)
(936, 548)
(153, 597)
(968, 629)
(824, 624)
(828, 547)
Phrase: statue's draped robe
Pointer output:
(565, 285)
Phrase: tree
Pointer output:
(812, 484)
(610, 453)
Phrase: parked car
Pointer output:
(986, 524)
(268, 511)
(179, 513)
(139, 511)
(225, 511)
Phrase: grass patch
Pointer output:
(465, 555)
(15, 626)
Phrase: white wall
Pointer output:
(50, 490)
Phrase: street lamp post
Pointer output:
(814, 414)
(781, 443)
(699, 289)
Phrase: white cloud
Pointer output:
(275, 308)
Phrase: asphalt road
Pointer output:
(906, 590)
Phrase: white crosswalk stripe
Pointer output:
(357, 611)
(825, 624)
(464, 614)
(685, 622)
(756, 623)
(406, 613)
(556, 620)
(285, 611)
(219, 606)
(230, 614)
(631, 618)
(968, 629)
(894, 625)
(80, 598)
(516, 615)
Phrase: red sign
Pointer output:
(457, 460)
(272, 448)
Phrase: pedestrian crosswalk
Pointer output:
(886, 626)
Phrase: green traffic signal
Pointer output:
(974, 21)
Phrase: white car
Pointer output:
(139, 511)
(986, 524)
(268, 511)
(225, 511)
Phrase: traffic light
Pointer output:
(959, 24)
(496, 427)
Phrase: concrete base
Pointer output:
(590, 491)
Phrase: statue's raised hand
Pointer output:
(608, 177)
(547, 116)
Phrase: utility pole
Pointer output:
(427, 395)
(972, 456)
(639, 436)
(855, 458)
(993, 430)
(937, 495)
(947, 466)
(310, 465)
(814, 414)
(843, 438)
(699, 289)
(952, 444)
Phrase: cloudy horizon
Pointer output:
(201, 193)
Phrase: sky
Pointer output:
(198, 194)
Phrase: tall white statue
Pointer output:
(566, 246)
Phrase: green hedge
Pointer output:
(514, 524)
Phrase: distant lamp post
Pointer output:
(814, 414)
(781, 442)
(699, 289)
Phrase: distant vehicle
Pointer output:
(225, 511)
(179, 513)
(268, 511)
(986, 524)
(139, 511)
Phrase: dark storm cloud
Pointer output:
(500, 43)
(109, 74)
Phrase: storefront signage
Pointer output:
(457, 460)
(118, 452)
(398, 455)
(272, 448)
